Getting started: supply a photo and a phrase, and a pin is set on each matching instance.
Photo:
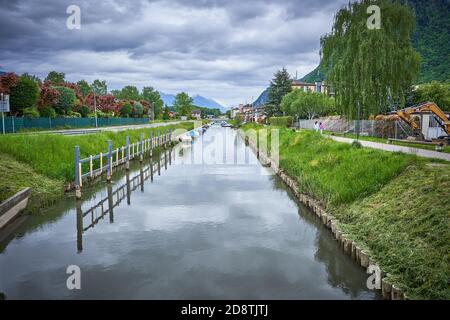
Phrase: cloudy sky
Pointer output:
(227, 50)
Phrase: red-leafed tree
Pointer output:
(145, 106)
(8, 81)
(48, 96)
(105, 103)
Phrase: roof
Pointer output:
(196, 111)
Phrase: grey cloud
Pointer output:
(226, 48)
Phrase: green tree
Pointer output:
(55, 78)
(24, 95)
(280, 85)
(129, 93)
(372, 67)
(32, 77)
(137, 110)
(436, 92)
(85, 89)
(125, 110)
(66, 100)
(300, 104)
(99, 87)
(183, 104)
(153, 97)
(165, 114)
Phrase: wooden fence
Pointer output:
(105, 162)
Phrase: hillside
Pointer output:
(431, 39)
(199, 101)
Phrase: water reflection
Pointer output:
(188, 230)
(97, 212)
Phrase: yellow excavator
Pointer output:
(407, 115)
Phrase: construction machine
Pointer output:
(408, 116)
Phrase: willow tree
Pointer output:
(372, 67)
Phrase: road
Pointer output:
(111, 128)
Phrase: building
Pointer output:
(196, 114)
(310, 87)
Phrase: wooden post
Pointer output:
(151, 143)
(159, 138)
(117, 156)
(109, 170)
(127, 147)
(77, 172)
(79, 228)
(110, 203)
(101, 163)
(141, 151)
(90, 167)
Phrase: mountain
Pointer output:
(199, 101)
(208, 103)
(262, 98)
(431, 40)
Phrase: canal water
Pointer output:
(205, 221)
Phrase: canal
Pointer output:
(201, 221)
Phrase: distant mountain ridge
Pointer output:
(199, 101)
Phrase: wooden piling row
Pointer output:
(348, 246)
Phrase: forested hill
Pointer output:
(431, 39)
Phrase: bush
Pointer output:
(31, 113)
(72, 114)
(48, 112)
(125, 110)
(138, 110)
(24, 95)
(281, 121)
(84, 111)
(66, 100)
(356, 144)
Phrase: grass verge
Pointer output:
(396, 206)
(52, 155)
(17, 176)
(45, 162)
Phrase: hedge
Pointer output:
(281, 121)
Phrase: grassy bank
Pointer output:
(53, 155)
(45, 162)
(396, 206)
(16, 176)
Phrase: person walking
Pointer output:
(316, 126)
(321, 127)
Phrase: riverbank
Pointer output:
(45, 162)
(395, 206)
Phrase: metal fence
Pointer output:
(14, 124)
(372, 128)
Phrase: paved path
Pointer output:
(394, 148)
(111, 128)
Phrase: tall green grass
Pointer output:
(396, 206)
(16, 176)
(336, 173)
(53, 155)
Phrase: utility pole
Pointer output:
(95, 107)
(3, 114)
(358, 121)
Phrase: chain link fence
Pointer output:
(373, 128)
